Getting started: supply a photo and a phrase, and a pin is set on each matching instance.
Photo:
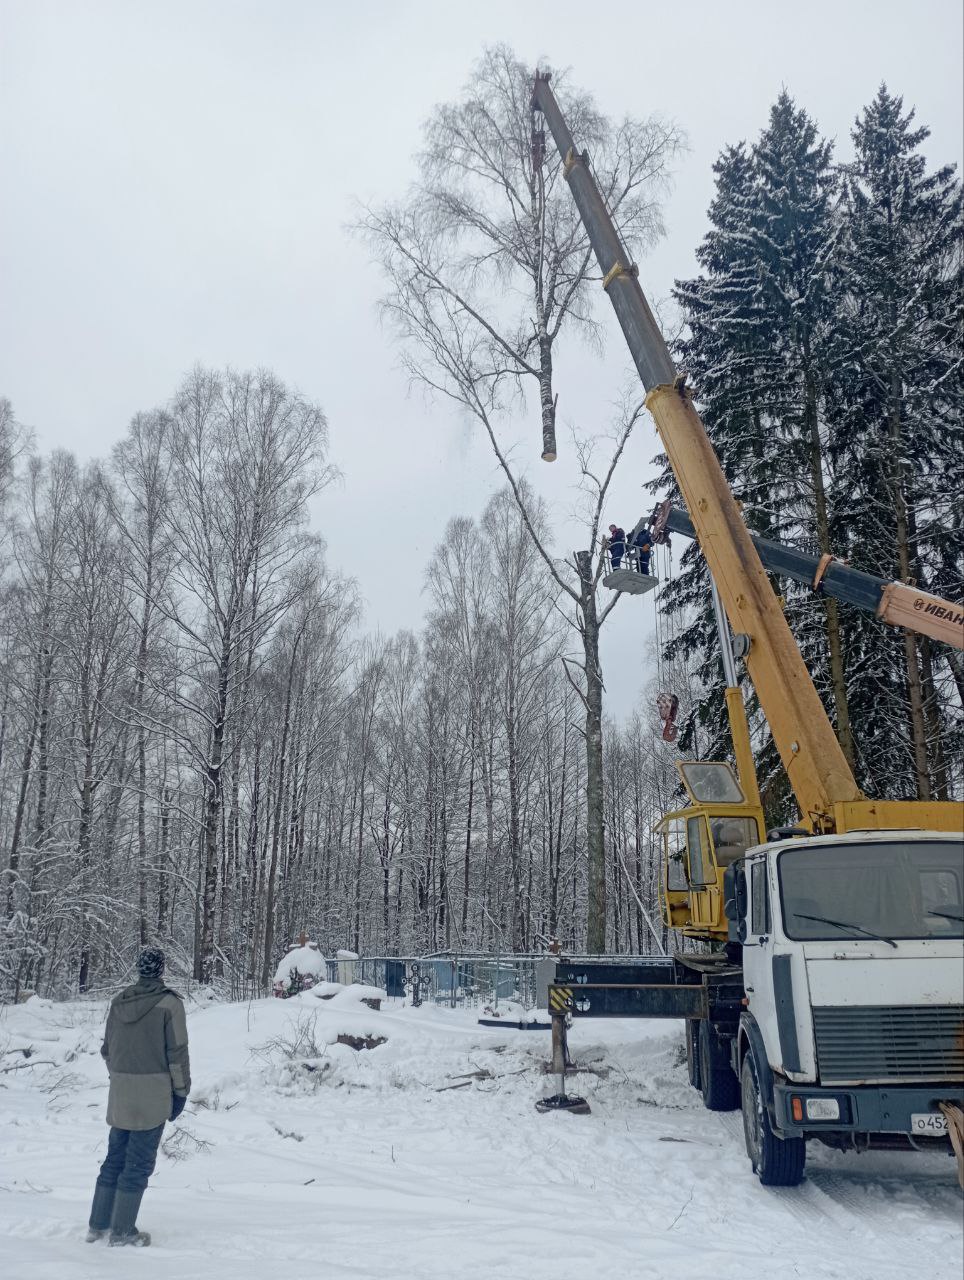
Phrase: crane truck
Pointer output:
(830, 1006)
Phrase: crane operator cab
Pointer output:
(700, 842)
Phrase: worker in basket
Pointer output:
(617, 545)
(641, 543)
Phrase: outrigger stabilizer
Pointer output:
(561, 1101)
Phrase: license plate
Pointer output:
(933, 1123)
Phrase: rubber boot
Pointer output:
(122, 1228)
(101, 1212)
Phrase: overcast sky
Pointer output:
(175, 179)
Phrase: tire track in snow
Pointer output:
(862, 1208)
(864, 1194)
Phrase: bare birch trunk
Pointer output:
(595, 826)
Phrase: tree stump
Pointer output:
(361, 1042)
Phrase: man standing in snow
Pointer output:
(145, 1048)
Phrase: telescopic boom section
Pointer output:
(895, 603)
(815, 764)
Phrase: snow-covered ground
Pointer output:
(370, 1166)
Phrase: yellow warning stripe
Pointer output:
(560, 997)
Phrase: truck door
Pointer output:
(758, 955)
(705, 902)
(774, 975)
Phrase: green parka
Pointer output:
(145, 1048)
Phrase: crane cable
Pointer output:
(657, 557)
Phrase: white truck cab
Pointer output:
(853, 965)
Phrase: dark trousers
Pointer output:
(131, 1156)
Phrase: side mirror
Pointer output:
(735, 901)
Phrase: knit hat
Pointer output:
(150, 962)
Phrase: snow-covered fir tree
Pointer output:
(899, 393)
(821, 346)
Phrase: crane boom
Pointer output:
(822, 780)
(892, 602)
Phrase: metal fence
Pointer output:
(467, 980)
(455, 980)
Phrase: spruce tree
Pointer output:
(725, 356)
(897, 436)
(823, 344)
(793, 236)
(759, 317)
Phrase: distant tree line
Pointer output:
(200, 747)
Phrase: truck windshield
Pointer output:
(889, 889)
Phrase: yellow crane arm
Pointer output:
(804, 736)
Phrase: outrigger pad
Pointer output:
(564, 1102)
(636, 584)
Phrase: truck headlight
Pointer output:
(823, 1109)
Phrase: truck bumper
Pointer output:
(863, 1109)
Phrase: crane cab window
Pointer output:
(702, 866)
(759, 899)
(711, 782)
(732, 837)
(674, 837)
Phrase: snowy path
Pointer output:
(361, 1170)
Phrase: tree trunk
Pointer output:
(13, 865)
(595, 824)
(933, 720)
(915, 696)
(162, 869)
(838, 679)
(512, 763)
(276, 827)
(43, 749)
(213, 799)
(466, 862)
(547, 400)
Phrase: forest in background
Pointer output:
(200, 745)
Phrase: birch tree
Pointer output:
(487, 251)
(246, 456)
(485, 225)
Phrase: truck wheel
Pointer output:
(718, 1084)
(693, 1052)
(777, 1162)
